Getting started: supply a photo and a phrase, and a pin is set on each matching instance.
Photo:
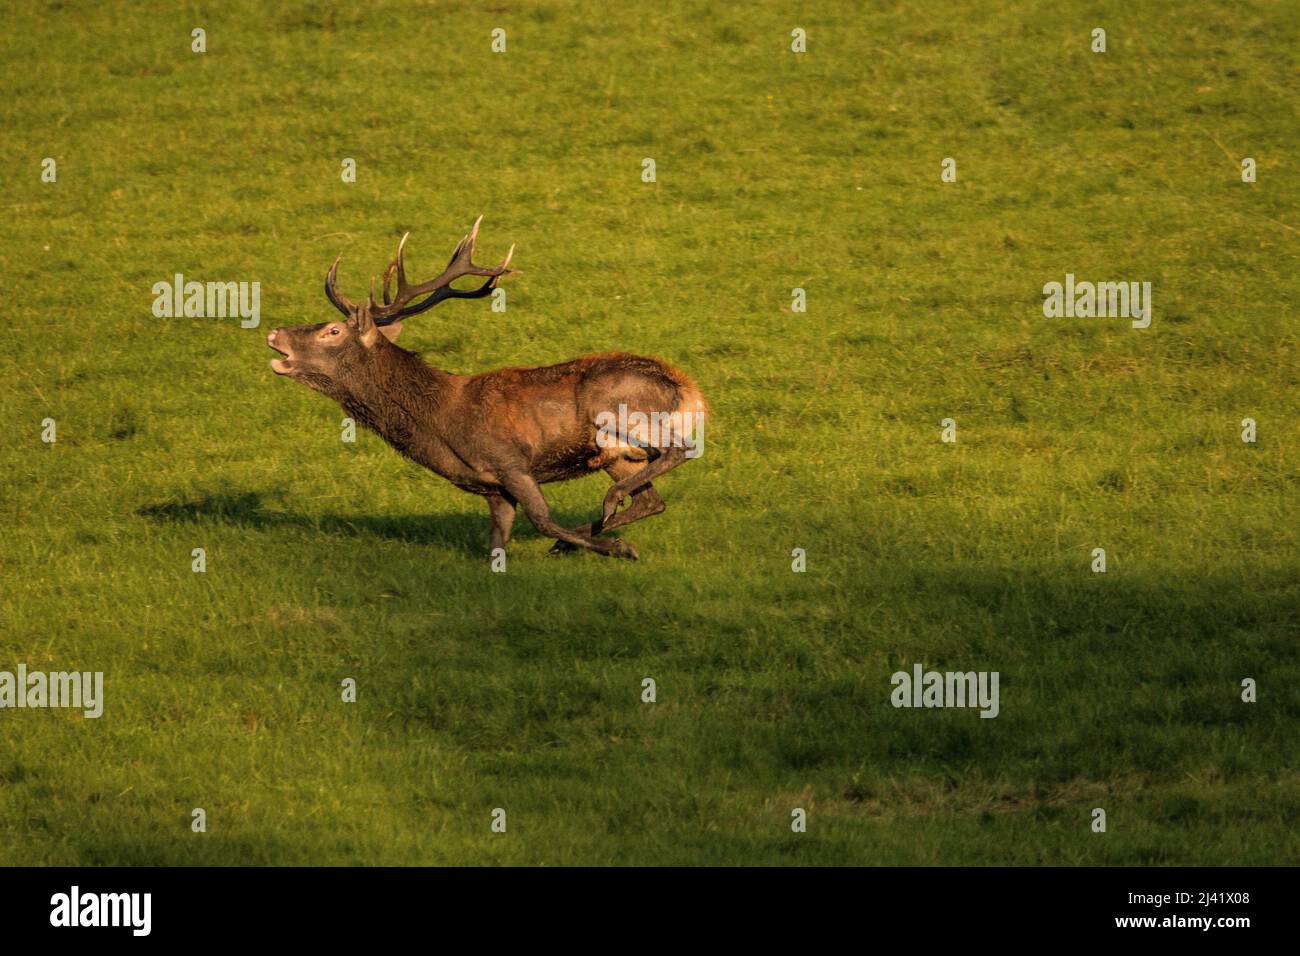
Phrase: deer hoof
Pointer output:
(623, 549)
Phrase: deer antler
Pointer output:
(439, 288)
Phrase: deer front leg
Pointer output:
(524, 489)
(502, 507)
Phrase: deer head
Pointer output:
(331, 356)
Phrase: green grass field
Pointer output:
(775, 170)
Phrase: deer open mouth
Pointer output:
(280, 366)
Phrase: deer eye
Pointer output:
(334, 331)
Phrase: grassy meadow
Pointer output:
(774, 171)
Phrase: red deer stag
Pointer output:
(501, 434)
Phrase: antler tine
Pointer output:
(504, 267)
(398, 265)
(400, 261)
(340, 301)
(465, 248)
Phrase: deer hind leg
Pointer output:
(524, 489)
(666, 460)
(646, 503)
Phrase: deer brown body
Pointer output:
(502, 434)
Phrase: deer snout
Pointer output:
(274, 340)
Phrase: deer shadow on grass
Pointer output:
(464, 532)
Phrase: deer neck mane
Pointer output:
(395, 395)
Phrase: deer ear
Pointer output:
(391, 332)
(367, 331)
